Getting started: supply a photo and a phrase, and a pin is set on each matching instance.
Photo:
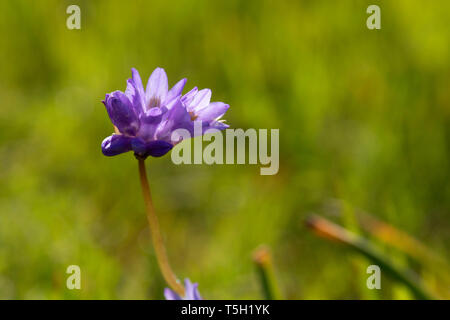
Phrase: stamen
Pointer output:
(193, 116)
(154, 102)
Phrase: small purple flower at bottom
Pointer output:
(190, 294)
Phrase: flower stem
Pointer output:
(263, 260)
(157, 240)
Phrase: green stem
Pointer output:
(157, 240)
(331, 231)
(263, 261)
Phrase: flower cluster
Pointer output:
(145, 120)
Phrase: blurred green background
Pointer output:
(364, 119)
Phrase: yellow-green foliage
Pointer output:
(364, 116)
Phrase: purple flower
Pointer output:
(145, 120)
(200, 108)
(190, 294)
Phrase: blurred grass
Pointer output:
(363, 116)
(331, 231)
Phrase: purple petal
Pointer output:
(116, 144)
(135, 91)
(212, 112)
(170, 295)
(156, 148)
(149, 123)
(153, 115)
(188, 97)
(201, 100)
(177, 114)
(121, 112)
(177, 117)
(202, 126)
(219, 125)
(176, 90)
(191, 290)
(196, 293)
(157, 88)
(136, 78)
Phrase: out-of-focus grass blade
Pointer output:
(263, 261)
(331, 231)
(415, 249)
(399, 239)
